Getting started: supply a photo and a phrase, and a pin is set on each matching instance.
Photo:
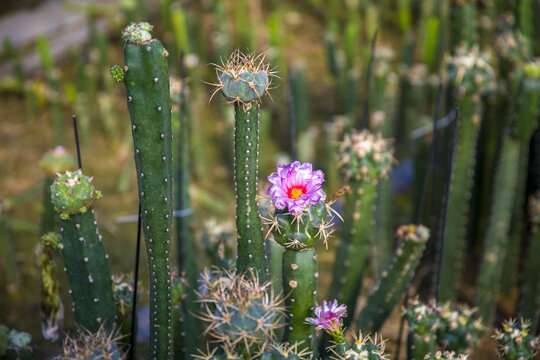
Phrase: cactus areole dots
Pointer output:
(73, 193)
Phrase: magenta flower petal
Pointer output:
(328, 316)
(296, 186)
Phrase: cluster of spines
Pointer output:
(101, 344)
(515, 341)
(423, 320)
(459, 328)
(447, 355)
(364, 347)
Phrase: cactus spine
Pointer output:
(85, 260)
(447, 355)
(470, 73)
(149, 103)
(396, 277)
(515, 342)
(243, 80)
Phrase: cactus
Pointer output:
(329, 317)
(459, 329)
(396, 277)
(423, 321)
(447, 355)
(364, 347)
(85, 260)
(17, 345)
(51, 307)
(530, 297)
(147, 85)
(242, 314)
(123, 288)
(243, 80)
(515, 342)
(280, 351)
(102, 344)
(179, 295)
(463, 16)
(364, 159)
(471, 75)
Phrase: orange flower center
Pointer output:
(295, 193)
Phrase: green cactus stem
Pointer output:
(19, 346)
(489, 280)
(463, 17)
(51, 307)
(364, 159)
(459, 328)
(300, 278)
(423, 320)
(148, 99)
(515, 342)
(102, 344)
(243, 80)
(530, 297)
(179, 294)
(471, 76)
(85, 260)
(396, 277)
(123, 288)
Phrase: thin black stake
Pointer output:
(135, 282)
(445, 205)
(74, 117)
(431, 152)
(292, 117)
(365, 119)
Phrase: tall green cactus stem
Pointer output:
(85, 260)
(463, 16)
(243, 80)
(530, 297)
(364, 159)
(458, 329)
(395, 278)
(515, 342)
(489, 280)
(300, 277)
(149, 103)
(423, 320)
(51, 307)
(470, 74)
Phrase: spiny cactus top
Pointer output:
(364, 156)
(459, 328)
(328, 317)
(99, 345)
(423, 318)
(280, 351)
(510, 45)
(470, 70)
(123, 288)
(243, 78)
(242, 314)
(73, 193)
(57, 161)
(52, 240)
(365, 348)
(447, 355)
(515, 342)
(296, 186)
(137, 33)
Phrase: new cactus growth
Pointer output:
(147, 85)
(51, 307)
(423, 321)
(19, 346)
(364, 347)
(364, 158)
(515, 342)
(470, 74)
(85, 260)
(447, 355)
(102, 344)
(458, 329)
(242, 314)
(328, 317)
(123, 288)
(395, 278)
(243, 80)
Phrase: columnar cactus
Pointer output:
(146, 78)
(102, 344)
(470, 75)
(364, 159)
(423, 321)
(85, 260)
(298, 223)
(242, 81)
(51, 307)
(242, 314)
(515, 342)
(395, 278)
(447, 355)
(463, 23)
(458, 329)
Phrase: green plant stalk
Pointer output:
(463, 17)
(525, 21)
(529, 307)
(489, 280)
(395, 279)
(147, 85)
(352, 253)
(458, 202)
(301, 99)
(300, 279)
(51, 308)
(382, 239)
(248, 224)
(418, 345)
(9, 265)
(186, 253)
(88, 272)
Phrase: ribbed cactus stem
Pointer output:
(463, 23)
(395, 278)
(300, 277)
(148, 99)
(422, 320)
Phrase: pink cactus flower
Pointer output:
(296, 186)
(328, 316)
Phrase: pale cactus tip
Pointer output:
(137, 33)
(73, 193)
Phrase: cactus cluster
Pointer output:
(423, 320)
(16, 345)
(515, 341)
(447, 355)
(102, 344)
(365, 347)
(458, 328)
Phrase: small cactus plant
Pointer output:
(447, 355)
(423, 321)
(515, 342)
(364, 347)
(458, 329)
(16, 345)
(102, 344)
